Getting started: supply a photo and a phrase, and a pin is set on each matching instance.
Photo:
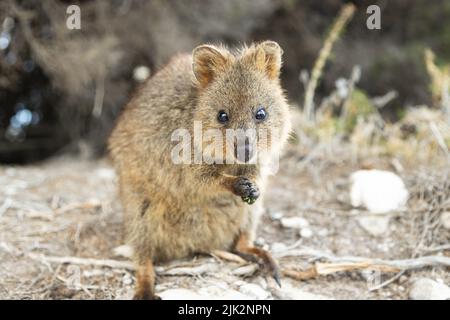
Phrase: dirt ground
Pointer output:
(68, 207)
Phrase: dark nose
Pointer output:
(244, 150)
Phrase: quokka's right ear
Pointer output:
(207, 62)
(267, 58)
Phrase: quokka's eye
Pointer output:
(261, 114)
(222, 116)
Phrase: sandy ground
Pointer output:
(68, 207)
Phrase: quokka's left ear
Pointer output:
(208, 62)
(267, 58)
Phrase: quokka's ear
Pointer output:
(267, 58)
(208, 61)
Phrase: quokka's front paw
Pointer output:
(246, 189)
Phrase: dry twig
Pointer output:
(344, 16)
(339, 264)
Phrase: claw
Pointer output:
(277, 277)
(273, 269)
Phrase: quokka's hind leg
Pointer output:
(145, 282)
(245, 248)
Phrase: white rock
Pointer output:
(323, 232)
(277, 215)
(428, 289)
(306, 233)
(141, 73)
(445, 220)
(254, 290)
(260, 241)
(377, 190)
(125, 251)
(294, 222)
(375, 225)
(180, 294)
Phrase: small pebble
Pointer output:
(125, 251)
(428, 289)
(260, 241)
(374, 225)
(294, 222)
(277, 215)
(106, 173)
(445, 220)
(141, 73)
(278, 247)
(306, 233)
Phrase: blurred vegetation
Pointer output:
(61, 90)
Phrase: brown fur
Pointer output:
(173, 211)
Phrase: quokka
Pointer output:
(174, 211)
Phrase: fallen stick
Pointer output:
(90, 204)
(128, 265)
(228, 256)
(188, 271)
(114, 264)
(340, 264)
(345, 15)
(329, 268)
(405, 264)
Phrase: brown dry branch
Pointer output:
(246, 270)
(90, 204)
(340, 264)
(228, 256)
(194, 270)
(173, 270)
(50, 215)
(108, 263)
(344, 16)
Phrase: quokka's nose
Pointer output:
(244, 152)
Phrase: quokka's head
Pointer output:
(239, 93)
